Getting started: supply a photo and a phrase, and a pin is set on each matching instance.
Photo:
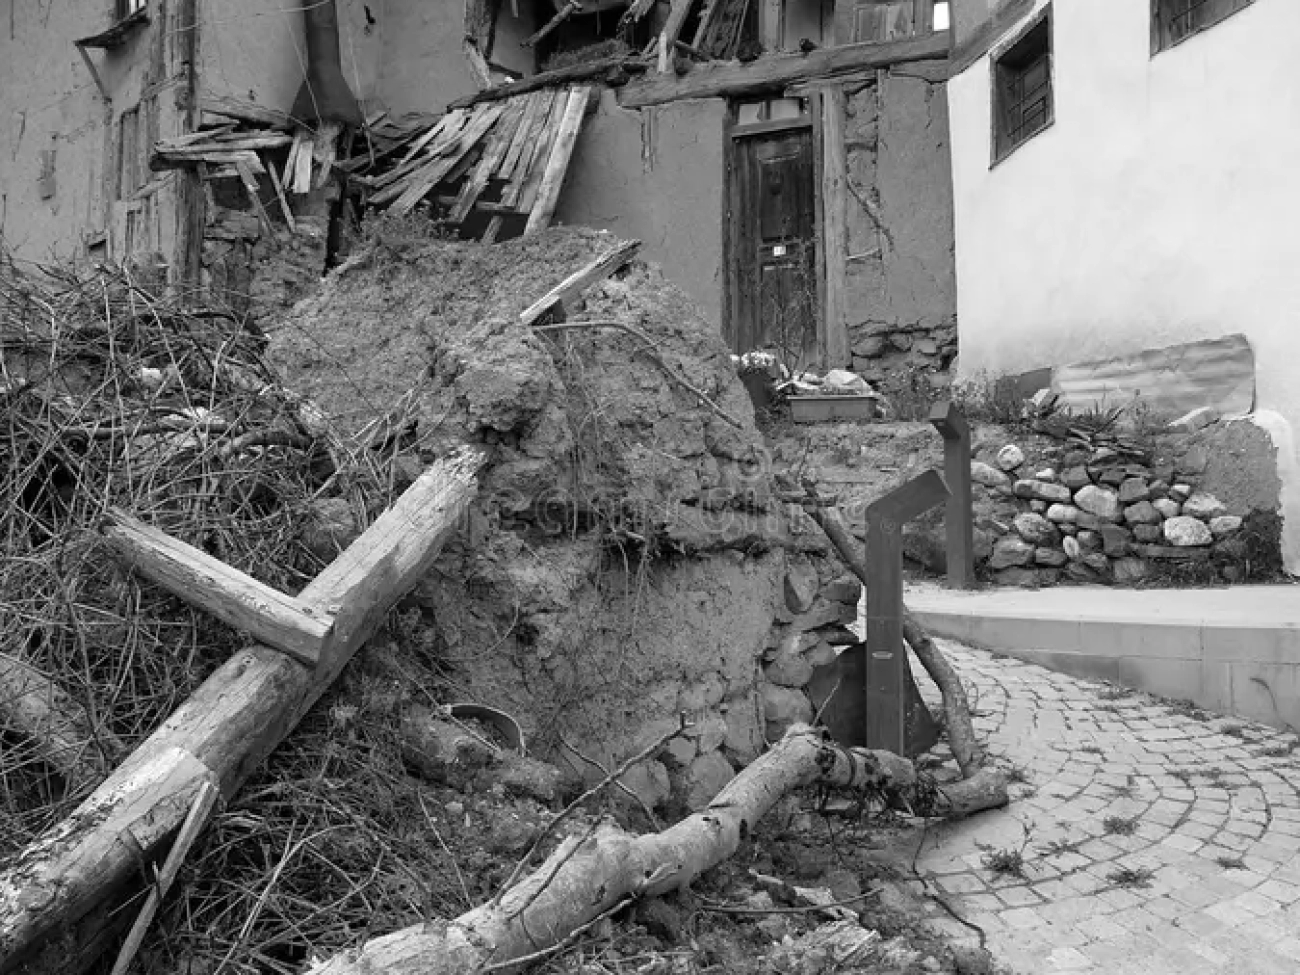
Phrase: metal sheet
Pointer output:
(1216, 372)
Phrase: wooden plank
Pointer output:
(449, 124)
(552, 79)
(536, 105)
(250, 185)
(228, 726)
(502, 136)
(834, 183)
(275, 619)
(721, 79)
(548, 194)
(550, 128)
(772, 25)
(567, 11)
(244, 111)
(517, 170)
(579, 281)
(677, 15)
(424, 180)
(279, 193)
(478, 66)
(300, 154)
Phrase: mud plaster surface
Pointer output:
(624, 559)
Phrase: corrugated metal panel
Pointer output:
(1217, 372)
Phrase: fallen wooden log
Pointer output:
(590, 876)
(961, 733)
(227, 727)
(61, 733)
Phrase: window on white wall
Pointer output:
(1173, 21)
(1022, 87)
(877, 21)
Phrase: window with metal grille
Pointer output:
(125, 8)
(1173, 21)
(1022, 87)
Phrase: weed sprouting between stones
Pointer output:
(1231, 863)
(1119, 825)
(1131, 876)
(1005, 863)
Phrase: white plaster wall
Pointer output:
(1161, 207)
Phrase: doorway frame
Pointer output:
(733, 133)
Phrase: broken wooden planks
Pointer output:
(495, 159)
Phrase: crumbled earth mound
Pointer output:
(624, 559)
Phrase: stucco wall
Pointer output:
(423, 64)
(1160, 207)
(257, 52)
(50, 103)
(656, 175)
(899, 204)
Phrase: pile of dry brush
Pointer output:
(112, 396)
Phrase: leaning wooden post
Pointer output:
(227, 727)
(886, 656)
(948, 420)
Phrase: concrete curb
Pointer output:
(1235, 651)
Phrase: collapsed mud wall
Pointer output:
(626, 560)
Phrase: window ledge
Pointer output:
(119, 33)
(999, 159)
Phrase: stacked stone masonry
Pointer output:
(1100, 518)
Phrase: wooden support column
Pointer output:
(834, 227)
(948, 420)
(226, 728)
(887, 683)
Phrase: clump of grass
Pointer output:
(1058, 847)
(1131, 877)
(1230, 863)
(1119, 825)
(1233, 730)
(1113, 693)
(1091, 749)
(1187, 709)
(1277, 751)
(1005, 863)
(1182, 775)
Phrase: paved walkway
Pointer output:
(1153, 840)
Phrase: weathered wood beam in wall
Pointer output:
(721, 79)
(834, 225)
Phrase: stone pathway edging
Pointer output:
(1153, 838)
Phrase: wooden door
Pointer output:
(773, 252)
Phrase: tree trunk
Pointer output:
(961, 734)
(228, 726)
(587, 877)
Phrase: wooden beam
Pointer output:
(677, 15)
(567, 11)
(265, 614)
(548, 195)
(834, 179)
(722, 79)
(228, 726)
(550, 79)
(959, 519)
(244, 111)
(579, 281)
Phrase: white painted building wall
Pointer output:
(1162, 206)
